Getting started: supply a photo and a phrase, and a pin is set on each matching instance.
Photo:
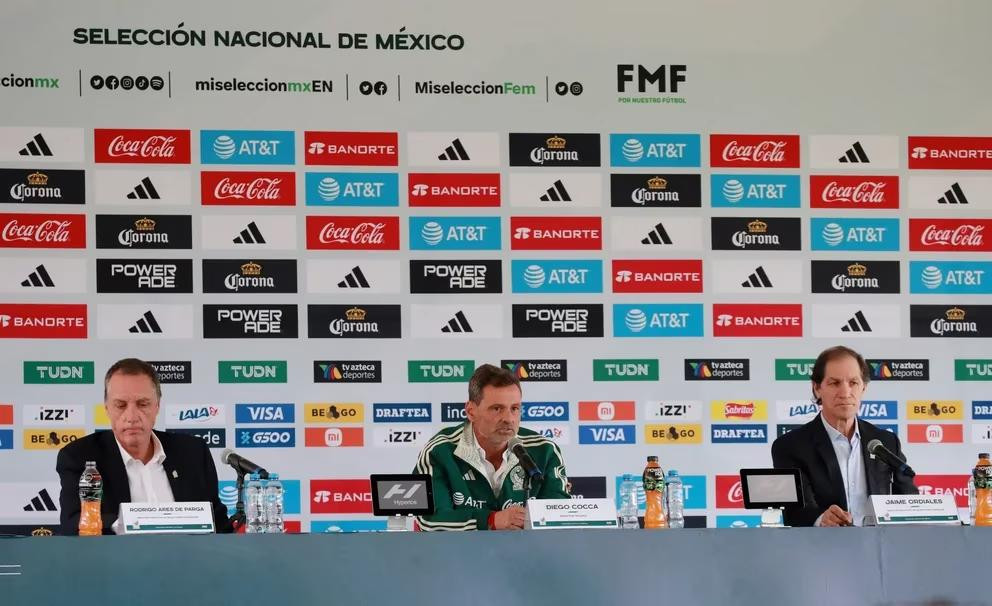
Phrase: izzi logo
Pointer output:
(968, 370)
(58, 373)
(415, 412)
(607, 434)
(741, 233)
(347, 371)
(249, 276)
(655, 191)
(950, 277)
(136, 232)
(724, 369)
(658, 320)
(632, 369)
(657, 276)
(556, 276)
(738, 434)
(674, 410)
(454, 189)
(455, 233)
(755, 191)
(52, 416)
(542, 412)
(855, 277)
(21, 186)
(793, 369)
(554, 149)
(264, 413)
(439, 371)
(352, 189)
(875, 235)
(537, 370)
(889, 369)
(649, 149)
(955, 322)
(454, 276)
(353, 321)
(544, 321)
(350, 148)
(247, 147)
(173, 371)
(144, 275)
(250, 322)
(247, 188)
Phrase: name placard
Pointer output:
(190, 517)
(914, 509)
(543, 514)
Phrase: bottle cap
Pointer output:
(273, 476)
(983, 455)
(652, 459)
(673, 472)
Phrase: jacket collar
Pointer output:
(468, 450)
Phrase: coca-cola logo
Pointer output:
(962, 235)
(363, 233)
(50, 231)
(736, 493)
(154, 146)
(261, 188)
(764, 151)
(866, 192)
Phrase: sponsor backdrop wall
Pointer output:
(318, 219)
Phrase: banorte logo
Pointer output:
(28, 230)
(749, 320)
(556, 233)
(953, 153)
(842, 191)
(141, 146)
(248, 188)
(950, 235)
(454, 189)
(353, 233)
(350, 148)
(341, 496)
(43, 321)
(754, 151)
(729, 493)
(945, 484)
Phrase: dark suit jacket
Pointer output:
(187, 456)
(809, 450)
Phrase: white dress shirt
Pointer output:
(852, 471)
(148, 481)
(495, 476)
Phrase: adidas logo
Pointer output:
(955, 195)
(250, 235)
(469, 476)
(455, 151)
(355, 279)
(658, 235)
(457, 324)
(855, 155)
(146, 324)
(42, 502)
(857, 324)
(39, 277)
(144, 190)
(557, 193)
(758, 279)
(36, 147)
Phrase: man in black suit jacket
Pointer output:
(839, 378)
(160, 463)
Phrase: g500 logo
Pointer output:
(267, 438)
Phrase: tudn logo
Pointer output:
(633, 150)
(833, 234)
(432, 233)
(328, 189)
(534, 276)
(635, 320)
(932, 277)
(224, 147)
(733, 191)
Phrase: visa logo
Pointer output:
(606, 434)
(544, 411)
(352, 189)
(247, 147)
(755, 191)
(739, 434)
(565, 276)
(878, 409)
(455, 233)
(981, 409)
(264, 413)
(950, 277)
(658, 320)
(855, 234)
(647, 149)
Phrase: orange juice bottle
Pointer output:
(90, 497)
(654, 491)
(982, 475)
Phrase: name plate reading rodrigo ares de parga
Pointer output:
(188, 517)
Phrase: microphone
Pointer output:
(241, 464)
(526, 462)
(879, 451)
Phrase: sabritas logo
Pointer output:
(353, 233)
(945, 484)
(935, 434)
(454, 189)
(746, 320)
(935, 410)
(739, 410)
(334, 436)
(754, 151)
(48, 321)
(840, 191)
(950, 235)
(334, 413)
(606, 411)
(729, 494)
(340, 496)
(350, 149)
(25, 230)
(954, 153)
(650, 275)
(39, 439)
(141, 146)
(556, 233)
(245, 188)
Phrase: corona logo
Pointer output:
(38, 179)
(555, 142)
(757, 227)
(955, 314)
(657, 183)
(145, 224)
(42, 532)
(355, 314)
(856, 269)
(251, 269)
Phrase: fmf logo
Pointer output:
(739, 434)
(334, 413)
(739, 410)
(350, 148)
(270, 437)
(264, 413)
(332, 437)
(37, 439)
(606, 411)
(341, 496)
(934, 434)
(673, 434)
(729, 493)
(418, 412)
(934, 410)
(454, 189)
(544, 411)
(607, 434)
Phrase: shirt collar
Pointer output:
(474, 444)
(835, 435)
(158, 454)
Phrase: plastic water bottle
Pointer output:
(254, 505)
(90, 498)
(972, 501)
(675, 498)
(274, 505)
(628, 503)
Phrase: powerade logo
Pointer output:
(455, 233)
(417, 412)
(352, 189)
(264, 413)
(755, 191)
(541, 412)
(267, 437)
(658, 320)
(559, 277)
(453, 412)
(739, 434)
(607, 434)
(879, 409)
(646, 149)
(855, 234)
(247, 147)
(950, 277)
(6, 439)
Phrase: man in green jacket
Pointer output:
(478, 482)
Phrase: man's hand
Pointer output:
(511, 518)
(835, 516)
